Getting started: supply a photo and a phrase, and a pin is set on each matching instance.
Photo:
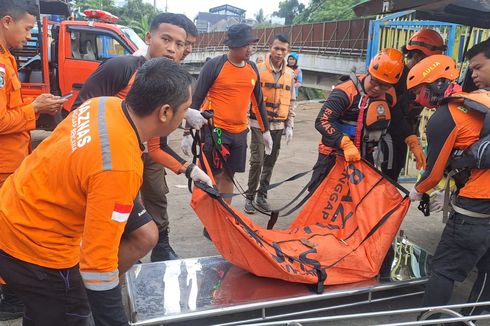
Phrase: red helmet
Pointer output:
(428, 41)
(387, 65)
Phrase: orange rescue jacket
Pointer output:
(277, 94)
(69, 200)
(16, 117)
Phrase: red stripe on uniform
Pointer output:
(122, 208)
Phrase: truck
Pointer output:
(63, 52)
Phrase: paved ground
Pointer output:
(300, 155)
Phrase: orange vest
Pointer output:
(277, 95)
(469, 124)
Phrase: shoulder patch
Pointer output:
(2, 75)
(462, 108)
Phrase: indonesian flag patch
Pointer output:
(2, 75)
(121, 212)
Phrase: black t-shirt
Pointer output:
(110, 77)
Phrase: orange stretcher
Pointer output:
(341, 235)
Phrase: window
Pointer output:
(90, 46)
(108, 47)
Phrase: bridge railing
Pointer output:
(346, 38)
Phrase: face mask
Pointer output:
(431, 94)
(424, 98)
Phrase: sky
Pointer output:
(191, 7)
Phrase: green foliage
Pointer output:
(137, 10)
(326, 10)
(260, 17)
(288, 9)
(141, 26)
(135, 14)
(79, 6)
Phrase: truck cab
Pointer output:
(63, 52)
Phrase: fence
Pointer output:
(346, 38)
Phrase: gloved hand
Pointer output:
(198, 175)
(267, 142)
(415, 195)
(351, 153)
(289, 134)
(436, 202)
(186, 145)
(414, 146)
(195, 119)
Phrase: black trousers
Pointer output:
(465, 244)
(322, 167)
(51, 296)
(394, 152)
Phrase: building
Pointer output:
(219, 18)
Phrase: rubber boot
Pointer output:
(163, 250)
(10, 307)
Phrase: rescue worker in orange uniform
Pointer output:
(17, 118)
(60, 233)
(456, 125)
(167, 38)
(422, 44)
(227, 84)
(357, 113)
(277, 81)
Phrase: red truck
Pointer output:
(63, 52)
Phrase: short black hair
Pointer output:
(158, 82)
(281, 37)
(482, 47)
(191, 28)
(167, 18)
(17, 8)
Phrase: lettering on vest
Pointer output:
(80, 132)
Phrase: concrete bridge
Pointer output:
(319, 71)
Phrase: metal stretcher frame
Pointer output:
(448, 312)
(200, 289)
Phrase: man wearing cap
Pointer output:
(226, 85)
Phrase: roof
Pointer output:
(466, 12)
(54, 7)
(209, 17)
(235, 10)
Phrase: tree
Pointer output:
(141, 26)
(323, 10)
(288, 9)
(137, 10)
(78, 6)
(260, 17)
